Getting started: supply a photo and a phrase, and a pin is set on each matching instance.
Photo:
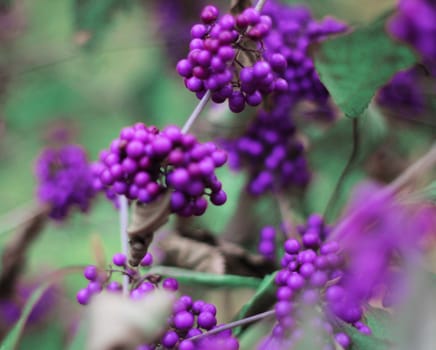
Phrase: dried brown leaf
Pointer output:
(237, 6)
(385, 164)
(200, 250)
(117, 322)
(242, 224)
(97, 248)
(15, 250)
(146, 219)
(191, 254)
(242, 262)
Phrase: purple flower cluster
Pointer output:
(144, 162)
(226, 58)
(403, 94)
(293, 31)
(64, 180)
(310, 280)
(415, 23)
(271, 153)
(11, 308)
(267, 244)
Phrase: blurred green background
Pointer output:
(95, 79)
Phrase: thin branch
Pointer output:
(260, 4)
(197, 111)
(421, 166)
(124, 217)
(235, 324)
(350, 162)
(285, 213)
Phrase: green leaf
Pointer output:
(380, 322)
(252, 337)
(265, 291)
(13, 338)
(354, 66)
(79, 340)
(429, 192)
(360, 341)
(372, 131)
(382, 337)
(207, 279)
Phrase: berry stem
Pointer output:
(236, 324)
(124, 213)
(260, 5)
(285, 213)
(198, 109)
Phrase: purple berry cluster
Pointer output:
(226, 58)
(191, 318)
(403, 94)
(64, 180)
(140, 285)
(271, 153)
(311, 277)
(144, 162)
(293, 31)
(267, 242)
(414, 23)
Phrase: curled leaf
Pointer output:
(193, 255)
(15, 250)
(117, 322)
(200, 250)
(146, 219)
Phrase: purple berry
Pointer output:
(91, 273)
(83, 296)
(170, 284)
(292, 246)
(206, 320)
(209, 14)
(147, 260)
(218, 198)
(183, 320)
(119, 259)
(170, 339)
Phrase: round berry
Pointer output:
(147, 260)
(83, 296)
(170, 339)
(206, 320)
(90, 272)
(183, 320)
(170, 284)
(119, 259)
(292, 246)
